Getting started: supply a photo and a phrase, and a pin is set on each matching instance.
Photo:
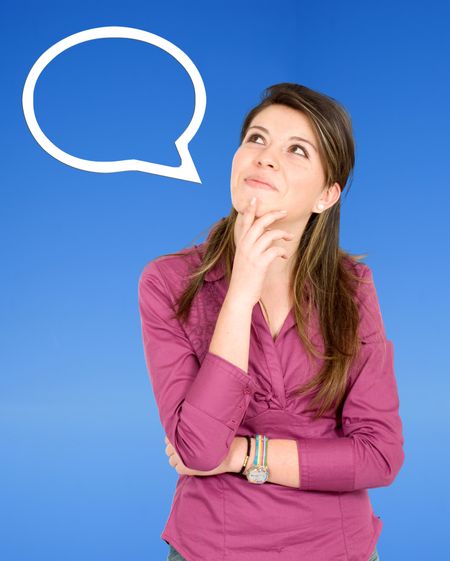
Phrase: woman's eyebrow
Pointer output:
(291, 138)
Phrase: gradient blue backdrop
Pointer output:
(83, 473)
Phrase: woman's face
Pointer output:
(292, 166)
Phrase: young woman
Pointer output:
(268, 356)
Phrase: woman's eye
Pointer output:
(301, 148)
(252, 136)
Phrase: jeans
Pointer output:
(175, 556)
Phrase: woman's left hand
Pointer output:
(180, 468)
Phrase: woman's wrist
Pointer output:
(238, 302)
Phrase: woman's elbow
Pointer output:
(200, 463)
(380, 468)
(396, 461)
(201, 456)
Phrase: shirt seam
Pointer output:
(224, 533)
(164, 283)
(241, 376)
(172, 303)
(342, 525)
(305, 463)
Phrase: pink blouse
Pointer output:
(205, 401)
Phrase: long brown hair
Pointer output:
(320, 278)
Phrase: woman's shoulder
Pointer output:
(357, 267)
(174, 267)
(371, 327)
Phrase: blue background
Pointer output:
(83, 473)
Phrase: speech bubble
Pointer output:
(186, 170)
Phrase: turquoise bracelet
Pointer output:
(258, 472)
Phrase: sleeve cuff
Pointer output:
(326, 464)
(222, 390)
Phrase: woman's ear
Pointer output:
(328, 197)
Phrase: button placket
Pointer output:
(269, 349)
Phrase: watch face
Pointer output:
(258, 474)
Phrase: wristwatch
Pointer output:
(258, 472)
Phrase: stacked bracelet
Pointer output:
(258, 472)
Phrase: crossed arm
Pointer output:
(282, 456)
(201, 406)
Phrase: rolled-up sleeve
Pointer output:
(200, 405)
(370, 452)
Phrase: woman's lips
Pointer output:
(258, 184)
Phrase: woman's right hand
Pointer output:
(254, 252)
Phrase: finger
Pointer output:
(272, 253)
(261, 224)
(269, 235)
(249, 216)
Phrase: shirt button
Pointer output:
(247, 390)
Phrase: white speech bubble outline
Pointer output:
(186, 170)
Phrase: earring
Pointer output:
(320, 206)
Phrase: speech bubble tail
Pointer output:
(186, 170)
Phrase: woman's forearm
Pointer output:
(282, 459)
(231, 341)
(231, 338)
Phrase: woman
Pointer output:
(268, 356)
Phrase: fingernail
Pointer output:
(252, 202)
